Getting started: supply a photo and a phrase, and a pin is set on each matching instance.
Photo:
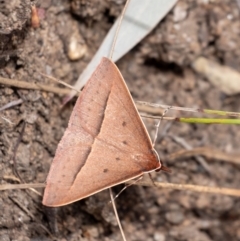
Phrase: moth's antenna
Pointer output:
(118, 28)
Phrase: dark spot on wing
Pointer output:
(105, 170)
(124, 123)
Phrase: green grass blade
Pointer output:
(209, 121)
(220, 112)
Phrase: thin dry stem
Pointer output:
(209, 153)
(21, 206)
(190, 187)
(13, 157)
(188, 147)
(116, 215)
(148, 109)
(152, 107)
(118, 28)
(11, 104)
(7, 120)
(60, 82)
(33, 86)
(186, 187)
(21, 186)
(110, 56)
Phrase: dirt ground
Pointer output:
(158, 70)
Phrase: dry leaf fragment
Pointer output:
(222, 77)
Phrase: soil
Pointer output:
(157, 70)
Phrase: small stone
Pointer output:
(48, 70)
(8, 91)
(159, 236)
(180, 12)
(108, 215)
(76, 47)
(91, 231)
(174, 217)
(31, 118)
(23, 157)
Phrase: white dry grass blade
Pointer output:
(140, 18)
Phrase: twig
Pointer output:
(11, 178)
(15, 179)
(118, 28)
(33, 86)
(184, 144)
(60, 82)
(116, 215)
(22, 207)
(195, 188)
(209, 153)
(151, 106)
(15, 201)
(21, 186)
(11, 104)
(46, 230)
(148, 109)
(7, 120)
(13, 158)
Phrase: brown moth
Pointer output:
(105, 143)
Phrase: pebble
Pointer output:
(174, 217)
(76, 48)
(8, 91)
(180, 12)
(92, 231)
(159, 236)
